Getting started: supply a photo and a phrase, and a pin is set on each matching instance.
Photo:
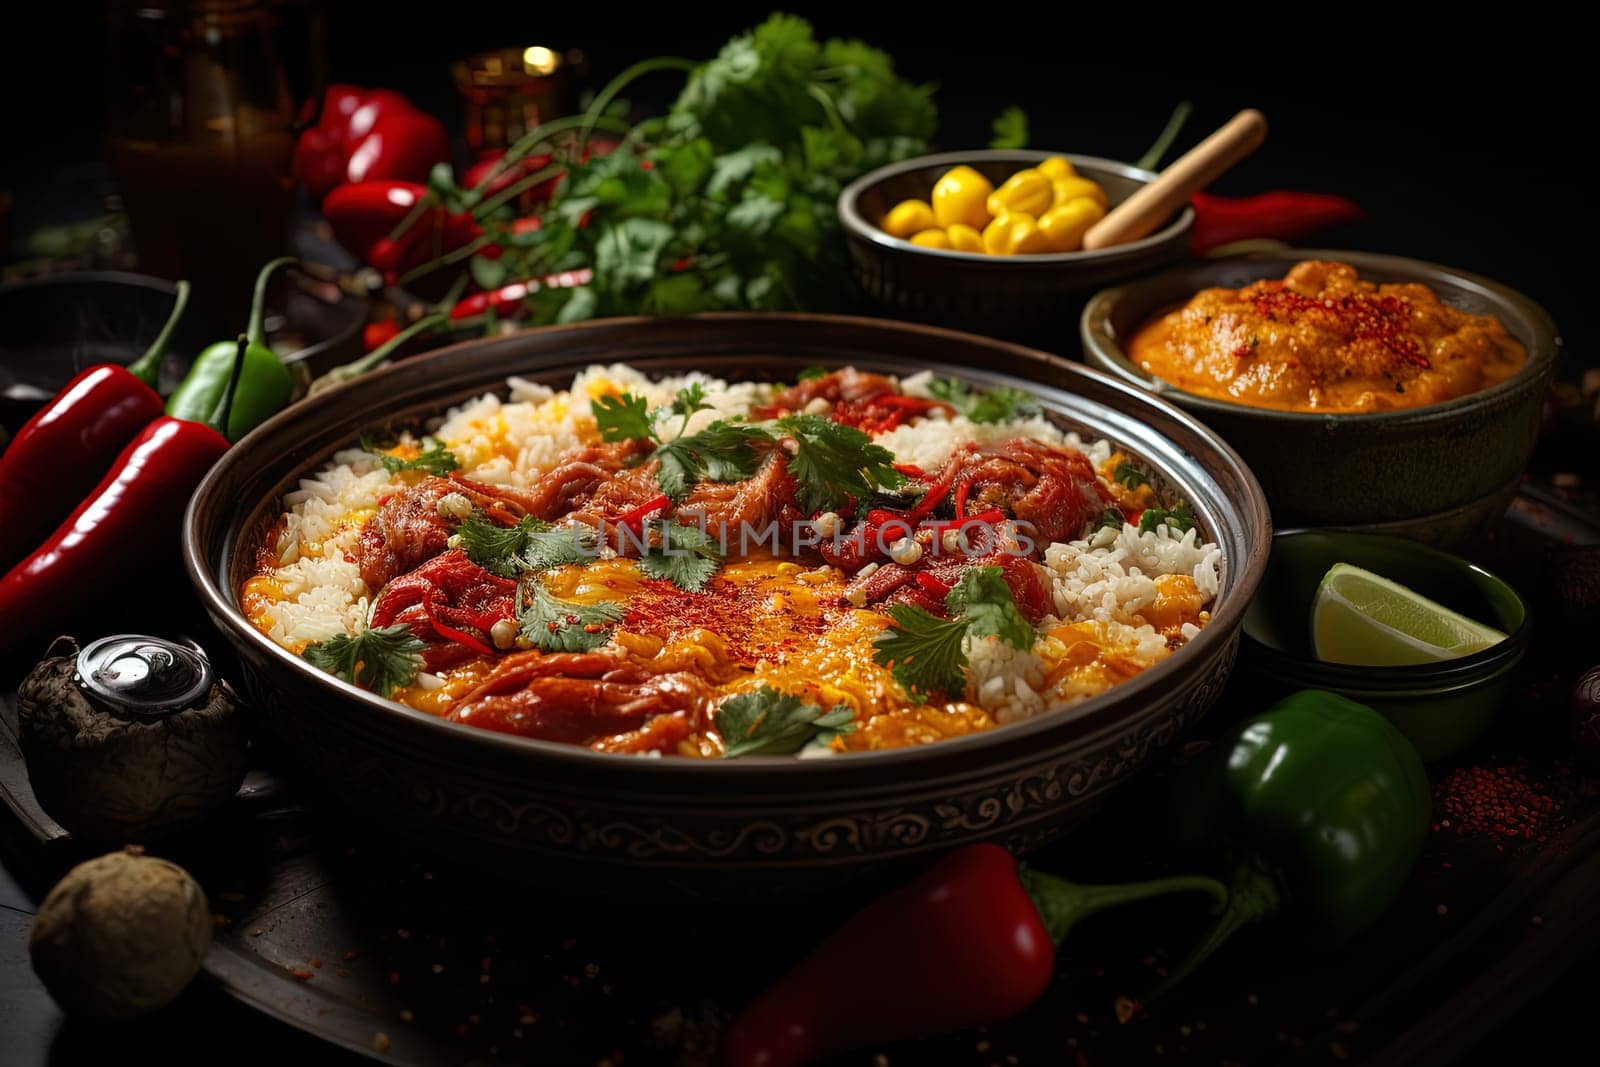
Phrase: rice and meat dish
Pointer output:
(705, 568)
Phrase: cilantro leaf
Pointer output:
(1178, 518)
(1128, 475)
(435, 459)
(722, 452)
(625, 417)
(690, 399)
(1000, 404)
(835, 463)
(926, 653)
(530, 545)
(687, 557)
(766, 722)
(558, 626)
(381, 660)
(984, 601)
(923, 650)
(495, 548)
(1110, 518)
(811, 374)
(556, 546)
(1010, 129)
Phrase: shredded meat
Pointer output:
(583, 698)
(579, 473)
(409, 529)
(449, 602)
(752, 505)
(848, 384)
(1054, 490)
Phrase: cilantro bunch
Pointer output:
(727, 202)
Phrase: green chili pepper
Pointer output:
(1320, 808)
(264, 386)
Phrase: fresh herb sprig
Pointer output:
(834, 464)
(557, 625)
(381, 660)
(1001, 403)
(767, 722)
(531, 545)
(686, 556)
(927, 654)
(1179, 518)
(435, 459)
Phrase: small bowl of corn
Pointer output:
(992, 241)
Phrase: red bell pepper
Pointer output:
(1279, 216)
(122, 527)
(971, 941)
(58, 454)
(364, 215)
(367, 135)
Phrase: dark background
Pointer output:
(1463, 136)
(1465, 140)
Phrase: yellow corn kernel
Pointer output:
(965, 238)
(1064, 225)
(959, 196)
(1015, 233)
(1069, 189)
(931, 239)
(1026, 191)
(908, 217)
(1057, 168)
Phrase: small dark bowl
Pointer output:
(1026, 298)
(562, 811)
(53, 327)
(1442, 707)
(1436, 474)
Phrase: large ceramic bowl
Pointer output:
(1437, 474)
(1033, 298)
(530, 805)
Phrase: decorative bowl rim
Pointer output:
(1101, 345)
(1224, 626)
(856, 224)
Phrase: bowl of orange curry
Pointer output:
(1365, 391)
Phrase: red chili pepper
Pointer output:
(367, 135)
(635, 516)
(450, 633)
(376, 334)
(58, 454)
(1276, 216)
(506, 299)
(364, 215)
(125, 524)
(933, 585)
(529, 199)
(971, 941)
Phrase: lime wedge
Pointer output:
(1364, 618)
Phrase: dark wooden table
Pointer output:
(1490, 947)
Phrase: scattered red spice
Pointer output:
(1355, 316)
(1502, 803)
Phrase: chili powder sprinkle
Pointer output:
(1381, 320)
(1503, 803)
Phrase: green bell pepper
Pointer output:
(1319, 805)
(264, 385)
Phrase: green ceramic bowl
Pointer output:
(1442, 707)
(1437, 474)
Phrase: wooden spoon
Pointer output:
(1197, 168)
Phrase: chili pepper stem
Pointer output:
(378, 356)
(1169, 133)
(1253, 896)
(147, 368)
(219, 418)
(603, 99)
(1062, 904)
(257, 331)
